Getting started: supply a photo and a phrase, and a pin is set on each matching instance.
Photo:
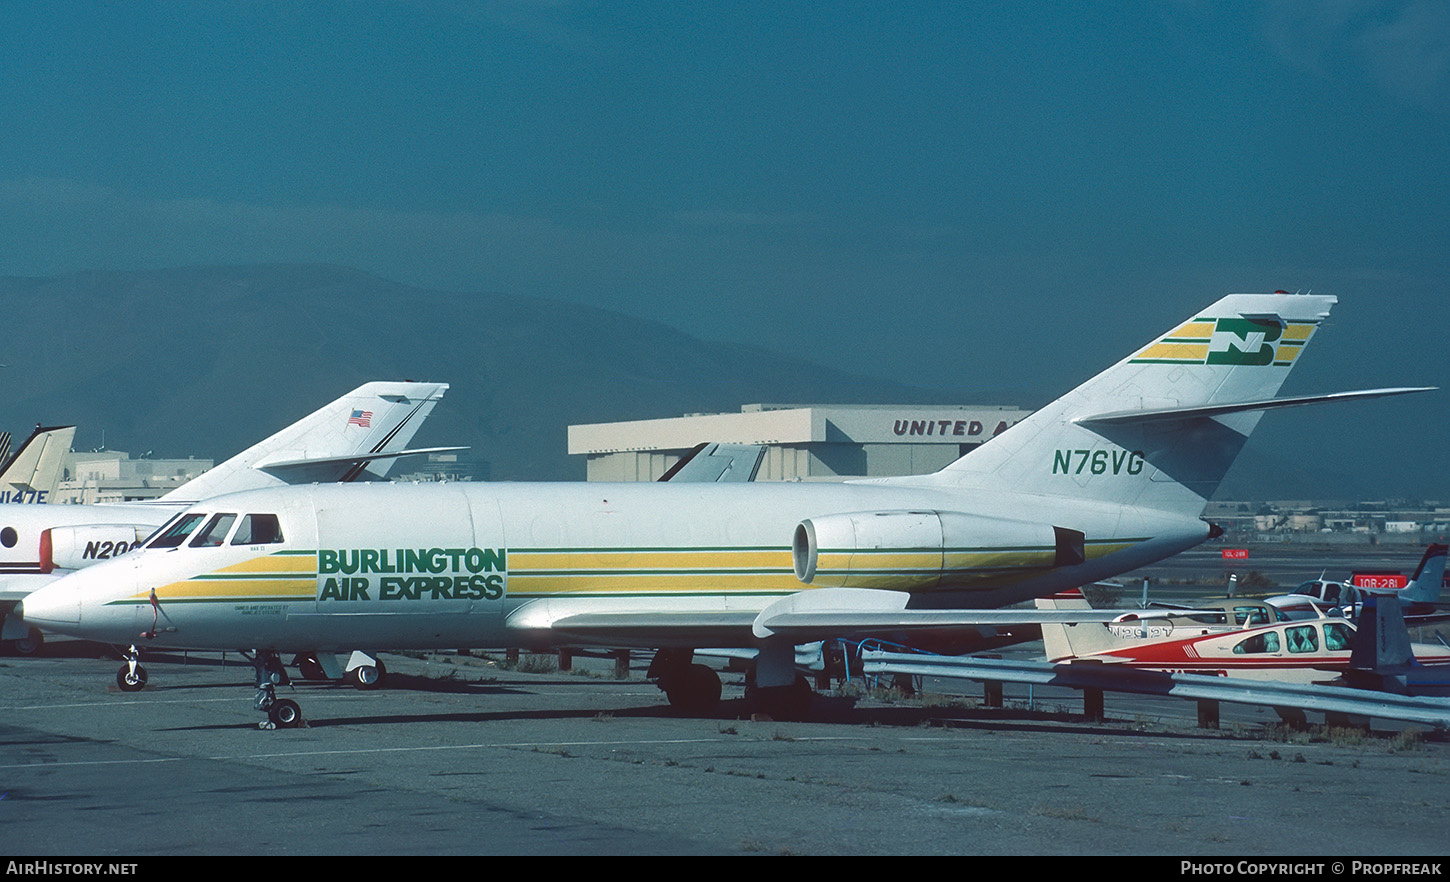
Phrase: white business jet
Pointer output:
(1110, 477)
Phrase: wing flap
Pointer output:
(802, 617)
(826, 613)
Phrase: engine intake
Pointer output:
(71, 548)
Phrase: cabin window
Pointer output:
(1308, 589)
(174, 535)
(1304, 638)
(258, 529)
(1336, 636)
(1209, 618)
(215, 531)
(1265, 642)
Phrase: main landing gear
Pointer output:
(362, 670)
(776, 690)
(691, 688)
(773, 688)
(28, 645)
(282, 713)
(367, 671)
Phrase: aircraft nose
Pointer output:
(55, 607)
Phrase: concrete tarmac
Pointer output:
(459, 756)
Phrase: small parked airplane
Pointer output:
(1253, 644)
(1419, 599)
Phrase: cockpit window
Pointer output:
(215, 531)
(176, 533)
(258, 529)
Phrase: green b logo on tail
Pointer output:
(1243, 341)
(1231, 341)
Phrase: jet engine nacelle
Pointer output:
(71, 548)
(914, 550)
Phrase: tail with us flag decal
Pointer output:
(355, 438)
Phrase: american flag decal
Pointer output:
(362, 418)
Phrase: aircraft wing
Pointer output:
(802, 617)
(806, 626)
(652, 627)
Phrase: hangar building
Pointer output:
(805, 442)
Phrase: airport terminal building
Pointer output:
(805, 442)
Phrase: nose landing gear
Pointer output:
(131, 677)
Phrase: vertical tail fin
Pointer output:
(1161, 427)
(717, 463)
(373, 418)
(1065, 642)
(1429, 576)
(35, 470)
(1381, 640)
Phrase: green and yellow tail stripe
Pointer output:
(1190, 342)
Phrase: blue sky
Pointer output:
(967, 195)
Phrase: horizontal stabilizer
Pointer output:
(282, 467)
(1212, 410)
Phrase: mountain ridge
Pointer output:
(205, 360)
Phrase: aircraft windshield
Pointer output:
(176, 533)
(1308, 589)
(258, 529)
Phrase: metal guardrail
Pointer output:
(1114, 678)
